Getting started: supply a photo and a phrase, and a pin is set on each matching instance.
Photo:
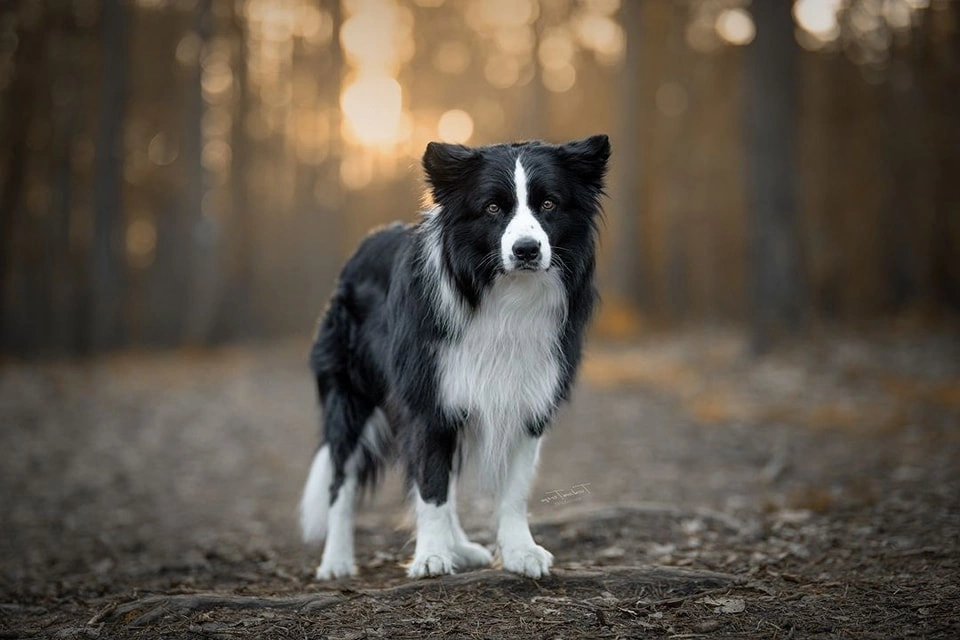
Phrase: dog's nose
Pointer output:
(526, 249)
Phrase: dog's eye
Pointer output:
(493, 208)
(548, 205)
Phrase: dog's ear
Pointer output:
(588, 159)
(446, 164)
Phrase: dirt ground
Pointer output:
(687, 491)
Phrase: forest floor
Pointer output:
(688, 490)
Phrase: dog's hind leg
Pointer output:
(338, 556)
(466, 554)
(352, 451)
(315, 503)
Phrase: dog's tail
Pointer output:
(315, 504)
(335, 338)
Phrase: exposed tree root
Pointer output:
(582, 581)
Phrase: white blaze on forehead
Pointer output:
(523, 224)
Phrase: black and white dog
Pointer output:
(450, 344)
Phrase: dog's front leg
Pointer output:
(519, 552)
(434, 553)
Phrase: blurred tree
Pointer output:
(911, 171)
(537, 126)
(17, 110)
(776, 293)
(166, 39)
(107, 255)
(946, 264)
(327, 201)
(235, 312)
(201, 240)
(680, 177)
(63, 264)
(625, 270)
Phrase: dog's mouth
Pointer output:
(529, 266)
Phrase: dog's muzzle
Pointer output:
(526, 254)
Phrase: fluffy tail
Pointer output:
(335, 338)
(315, 503)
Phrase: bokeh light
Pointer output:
(163, 149)
(560, 79)
(378, 36)
(605, 7)
(455, 125)
(141, 242)
(602, 35)
(557, 49)
(493, 15)
(372, 106)
(736, 26)
(818, 18)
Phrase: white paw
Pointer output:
(433, 564)
(471, 554)
(329, 570)
(532, 561)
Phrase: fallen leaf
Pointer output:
(725, 605)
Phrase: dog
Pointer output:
(448, 345)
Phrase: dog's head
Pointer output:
(511, 208)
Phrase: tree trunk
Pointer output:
(201, 232)
(63, 280)
(677, 207)
(10, 202)
(235, 310)
(770, 105)
(946, 265)
(624, 266)
(537, 126)
(107, 257)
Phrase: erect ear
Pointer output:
(445, 164)
(588, 158)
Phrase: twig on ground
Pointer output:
(161, 605)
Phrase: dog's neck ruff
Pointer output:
(452, 310)
(502, 366)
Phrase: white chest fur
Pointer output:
(505, 368)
